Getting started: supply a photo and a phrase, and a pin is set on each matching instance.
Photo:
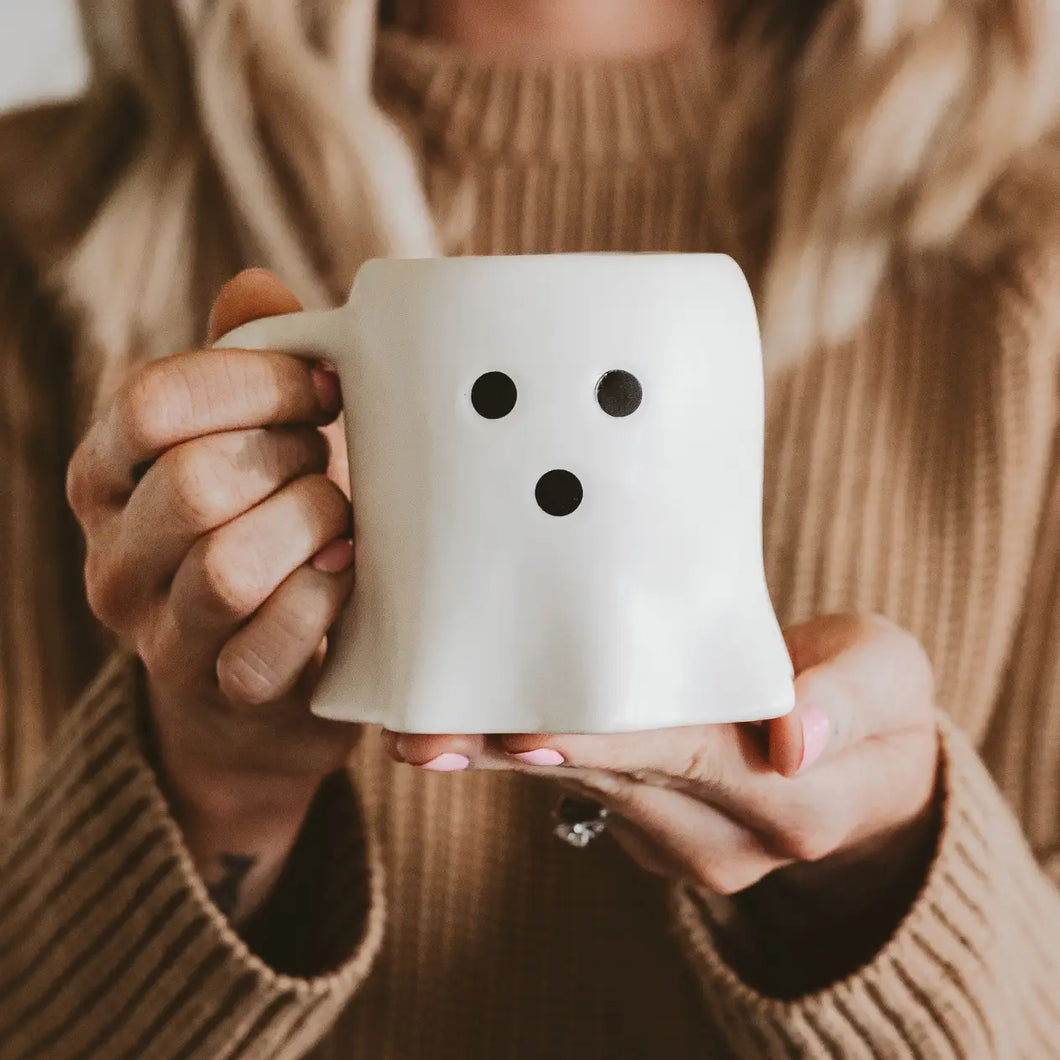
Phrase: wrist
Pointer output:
(806, 926)
(220, 770)
(239, 825)
(855, 888)
(239, 843)
(237, 802)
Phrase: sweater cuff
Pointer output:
(962, 975)
(109, 943)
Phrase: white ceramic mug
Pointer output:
(556, 467)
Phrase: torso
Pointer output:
(906, 474)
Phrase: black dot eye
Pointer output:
(619, 393)
(493, 395)
(559, 492)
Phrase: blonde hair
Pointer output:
(262, 144)
(905, 114)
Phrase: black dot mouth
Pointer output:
(559, 492)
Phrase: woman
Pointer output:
(189, 871)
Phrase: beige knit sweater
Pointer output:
(915, 472)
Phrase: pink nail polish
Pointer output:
(447, 763)
(543, 756)
(335, 557)
(816, 730)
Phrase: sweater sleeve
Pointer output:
(971, 970)
(109, 944)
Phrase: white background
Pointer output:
(40, 50)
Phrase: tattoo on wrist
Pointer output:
(225, 892)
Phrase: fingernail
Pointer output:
(543, 756)
(335, 557)
(447, 763)
(816, 729)
(326, 385)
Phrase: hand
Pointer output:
(218, 546)
(838, 791)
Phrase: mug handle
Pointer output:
(309, 334)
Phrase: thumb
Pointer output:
(250, 295)
(856, 677)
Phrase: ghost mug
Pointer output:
(556, 470)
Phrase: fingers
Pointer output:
(703, 754)
(266, 658)
(200, 486)
(672, 834)
(172, 401)
(666, 831)
(851, 798)
(232, 571)
(719, 764)
(857, 677)
(862, 740)
(438, 753)
(727, 846)
(715, 762)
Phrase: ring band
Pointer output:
(579, 821)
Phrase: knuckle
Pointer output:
(231, 584)
(327, 500)
(76, 492)
(920, 671)
(144, 406)
(322, 510)
(816, 685)
(694, 765)
(104, 589)
(875, 624)
(916, 668)
(159, 651)
(806, 835)
(200, 496)
(804, 845)
(607, 785)
(722, 876)
(882, 634)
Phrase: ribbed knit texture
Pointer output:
(109, 945)
(915, 472)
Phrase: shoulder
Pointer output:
(50, 173)
(57, 162)
(32, 141)
(1017, 222)
(1008, 253)
(31, 224)
(31, 329)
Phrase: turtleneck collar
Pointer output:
(630, 108)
